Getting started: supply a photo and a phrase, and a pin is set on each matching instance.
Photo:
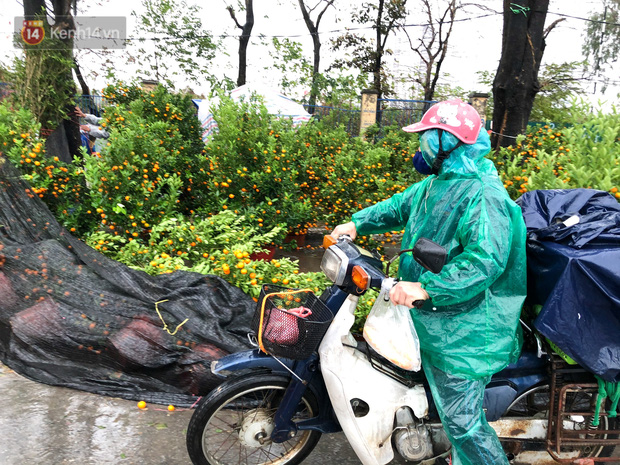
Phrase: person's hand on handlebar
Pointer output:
(346, 228)
(408, 293)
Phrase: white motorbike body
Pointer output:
(349, 377)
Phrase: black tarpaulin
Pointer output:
(573, 253)
(71, 317)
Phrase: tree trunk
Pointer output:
(244, 40)
(378, 53)
(33, 8)
(516, 83)
(62, 9)
(80, 78)
(66, 141)
(315, 71)
(316, 42)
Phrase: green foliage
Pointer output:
(42, 80)
(339, 89)
(602, 41)
(358, 52)
(584, 154)
(328, 176)
(157, 201)
(592, 159)
(153, 164)
(256, 167)
(222, 245)
(295, 70)
(181, 47)
(275, 174)
(122, 93)
(560, 84)
(60, 185)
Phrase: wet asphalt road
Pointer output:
(49, 425)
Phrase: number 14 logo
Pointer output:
(33, 32)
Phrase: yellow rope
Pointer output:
(165, 328)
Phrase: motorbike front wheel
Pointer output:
(233, 424)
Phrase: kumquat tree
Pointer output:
(585, 152)
(159, 199)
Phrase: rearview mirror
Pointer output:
(430, 255)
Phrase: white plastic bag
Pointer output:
(389, 330)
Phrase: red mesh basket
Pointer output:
(290, 323)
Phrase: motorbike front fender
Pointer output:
(249, 359)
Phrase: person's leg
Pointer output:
(459, 403)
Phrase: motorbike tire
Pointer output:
(228, 425)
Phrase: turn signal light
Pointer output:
(328, 241)
(360, 277)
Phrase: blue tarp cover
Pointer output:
(573, 253)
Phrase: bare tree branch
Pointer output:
(433, 45)
(233, 16)
(551, 26)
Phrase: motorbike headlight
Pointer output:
(334, 265)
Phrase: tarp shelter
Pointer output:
(573, 261)
(69, 316)
(276, 104)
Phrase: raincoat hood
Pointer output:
(463, 160)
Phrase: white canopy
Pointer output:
(276, 103)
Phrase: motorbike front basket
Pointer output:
(290, 323)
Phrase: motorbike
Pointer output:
(309, 378)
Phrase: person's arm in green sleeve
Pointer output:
(389, 215)
(485, 234)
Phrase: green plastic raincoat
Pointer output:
(470, 325)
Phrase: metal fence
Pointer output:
(393, 112)
(390, 112)
(349, 118)
(92, 104)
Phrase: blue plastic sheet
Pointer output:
(574, 273)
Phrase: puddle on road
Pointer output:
(42, 424)
(310, 258)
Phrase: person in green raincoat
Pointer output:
(469, 324)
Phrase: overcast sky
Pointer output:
(475, 44)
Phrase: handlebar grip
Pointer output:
(418, 303)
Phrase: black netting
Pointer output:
(71, 317)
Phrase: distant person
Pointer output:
(91, 131)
